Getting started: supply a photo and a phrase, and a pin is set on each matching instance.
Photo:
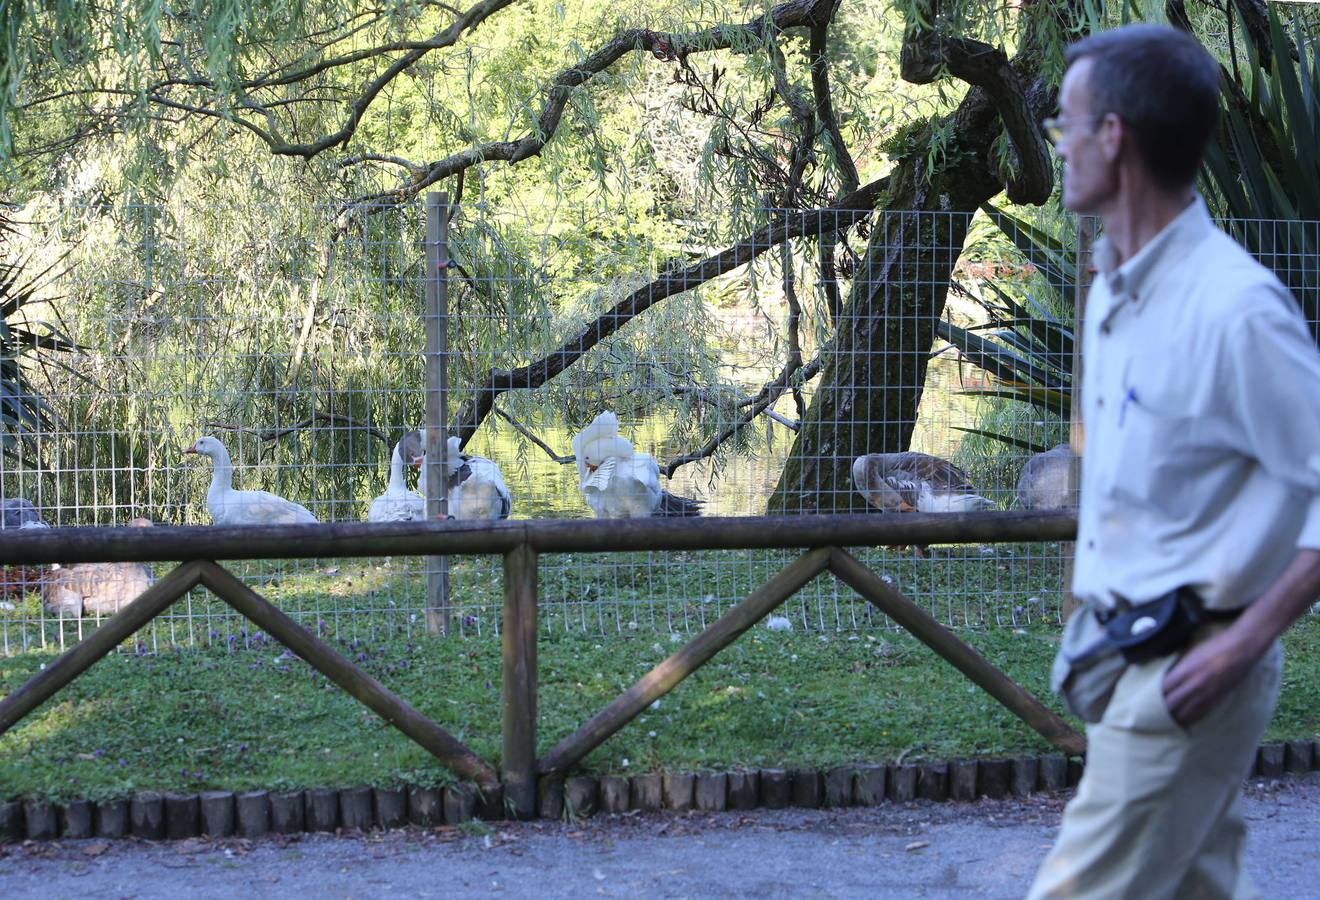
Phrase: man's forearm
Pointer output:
(1291, 594)
(1212, 668)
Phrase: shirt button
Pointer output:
(1090, 545)
(1100, 401)
(1104, 329)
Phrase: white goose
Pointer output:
(476, 488)
(617, 481)
(230, 507)
(397, 504)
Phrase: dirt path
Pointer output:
(985, 849)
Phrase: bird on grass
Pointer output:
(230, 507)
(1043, 483)
(397, 504)
(95, 589)
(617, 481)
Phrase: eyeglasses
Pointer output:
(1057, 127)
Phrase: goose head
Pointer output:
(454, 458)
(209, 446)
(414, 445)
(597, 444)
(870, 475)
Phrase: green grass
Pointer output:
(251, 717)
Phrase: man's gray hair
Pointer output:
(1164, 86)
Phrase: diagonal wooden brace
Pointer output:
(958, 652)
(665, 676)
(384, 702)
(80, 657)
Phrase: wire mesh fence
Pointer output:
(754, 371)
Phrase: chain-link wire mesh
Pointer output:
(754, 372)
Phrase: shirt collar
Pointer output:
(1168, 248)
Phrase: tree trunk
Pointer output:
(871, 385)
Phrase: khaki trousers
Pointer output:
(1157, 813)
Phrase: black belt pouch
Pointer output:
(1146, 631)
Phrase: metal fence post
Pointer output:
(437, 401)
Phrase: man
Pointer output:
(1201, 471)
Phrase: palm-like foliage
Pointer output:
(1263, 177)
(1025, 347)
(24, 414)
(1262, 180)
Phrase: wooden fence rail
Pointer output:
(168, 543)
(821, 537)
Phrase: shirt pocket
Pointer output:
(1159, 453)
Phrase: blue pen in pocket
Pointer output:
(1129, 397)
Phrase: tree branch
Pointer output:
(926, 55)
(705, 395)
(273, 434)
(804, 114)
(771, 392)
(470, 20)
(666, 46)
(794, 322)
(820, 89)
(829, 278)
(845, 213)
(414, 169)
(531, 436)
(1256, 15)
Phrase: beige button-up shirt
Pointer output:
(1201, 398)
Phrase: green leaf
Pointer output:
(1020, 443)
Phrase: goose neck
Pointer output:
(396, 471)
(222, 472)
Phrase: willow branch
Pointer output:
(770, 393)
(843, 214)
(411, 167)
(531, 436)
(662, 45)
(274, 434)
(820, 89)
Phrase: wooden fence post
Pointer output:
(357, 683)
(957, 652)
(662, 679)
(437, 401)
(518, 697)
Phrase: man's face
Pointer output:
(1088, 145)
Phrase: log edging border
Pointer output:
(156, 816)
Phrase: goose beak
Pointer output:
(192, 449)
(590, 467)
(904, 506)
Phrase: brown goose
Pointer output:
(95, 589)
(915, 482)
